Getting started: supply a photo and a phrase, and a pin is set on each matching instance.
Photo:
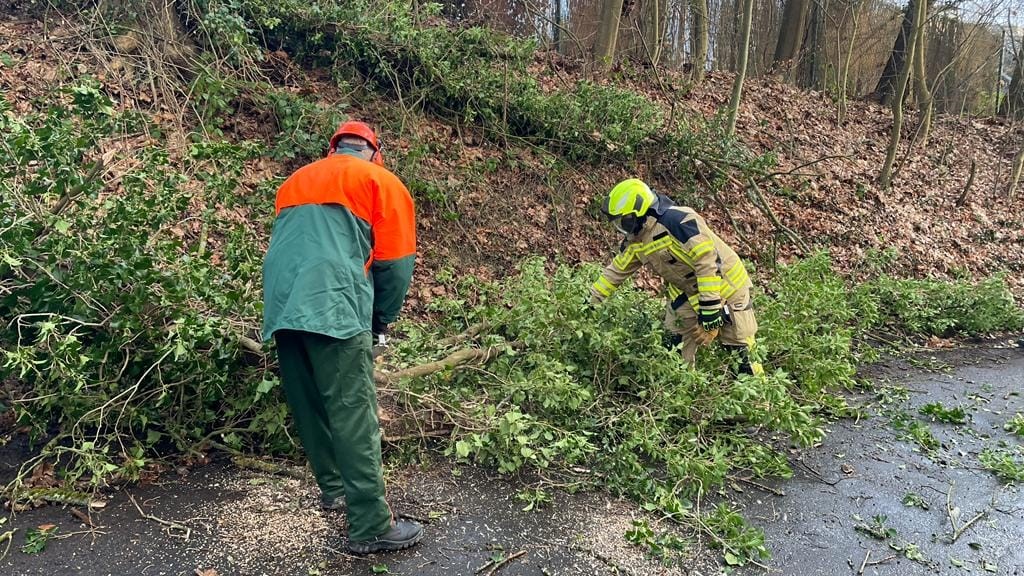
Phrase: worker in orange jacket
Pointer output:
(335, 276)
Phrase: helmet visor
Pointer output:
(626, 224)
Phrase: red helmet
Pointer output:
(362, 130)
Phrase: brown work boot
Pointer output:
(401, 535)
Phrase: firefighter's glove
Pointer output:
(705, 337)
(710, 319)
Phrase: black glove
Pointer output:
(710, 318)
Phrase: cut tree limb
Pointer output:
(458, 358)
(453, 360)
(470, 333)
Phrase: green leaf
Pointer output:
(265, 386)
(380, 569)
(462, 449)
(6, 59)
(732, 560)
(11, 261)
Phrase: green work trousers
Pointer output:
(329, 386)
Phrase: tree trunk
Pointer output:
(998, 88)
(556, 30)
(655, 19)
(1018, 166)
(923, 94)
(608, 34)
(741, 67)
(699, 39)
(813, 57)
(791, 37)
(845, 62)
(896, 101)
(890, 75)
(1013, 103)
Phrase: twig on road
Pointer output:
(9, 538)
(173, 528)
(864, 563)
(760, 486)
(883, 560)
(498, 565)
(954, 515)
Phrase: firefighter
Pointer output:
(335, 276)
(708, 287)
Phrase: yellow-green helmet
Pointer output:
(629, 197)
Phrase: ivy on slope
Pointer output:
(120, 327)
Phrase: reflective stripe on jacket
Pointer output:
(696, 265)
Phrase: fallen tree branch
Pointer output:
(440, 432)
(755, 193)
(9, 538)
(173, 528)
(74, 192)
(458, 358)
(806, 164)
(250, 345)
(759, 485)
(864, 563)
(258, 465)
(757, 197)
(470, 333)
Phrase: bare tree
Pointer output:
(885, 178)
(843, 84)
(654, 29)
(922, 94)
(741, 68)
(886, 86)
(699, 39)
(791, 36)
(608, 34)
(1013, 103)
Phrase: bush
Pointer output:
(123, 321)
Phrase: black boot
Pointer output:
(743, 354)
(400, 536)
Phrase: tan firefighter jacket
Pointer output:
(695, 264)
